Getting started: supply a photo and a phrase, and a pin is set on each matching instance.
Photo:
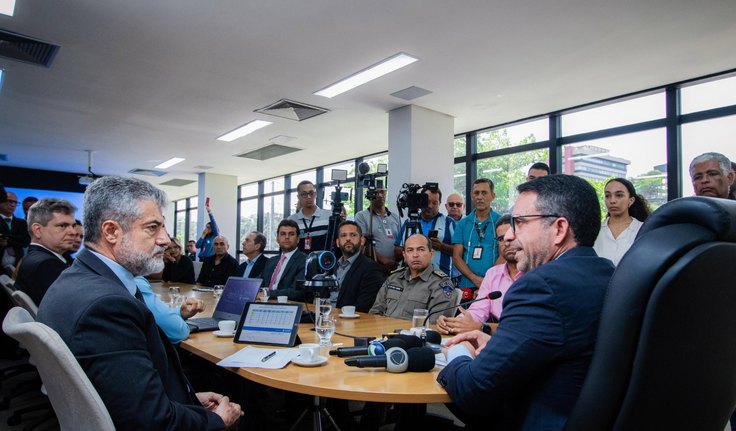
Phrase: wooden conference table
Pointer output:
(332, 380)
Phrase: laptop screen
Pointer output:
(237, 292)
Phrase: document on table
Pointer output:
(258, 357)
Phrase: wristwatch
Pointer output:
(485, 327)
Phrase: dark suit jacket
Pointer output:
(530, 373)
(181, 271)
(257, 270)
(129, 361)
(17, 234)
(287, 284)
(212, 274)
(361, 284)
(39, 269)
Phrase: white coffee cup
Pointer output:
(348, 310)
(282, 299)
(309, 352)
(226, 326)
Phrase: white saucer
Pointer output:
(317, 362)
(349, 316)
(224, 334)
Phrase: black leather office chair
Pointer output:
(665, 358)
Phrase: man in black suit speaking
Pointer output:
(359, 277)
(52, 227)
(98, 311)
(282, 271)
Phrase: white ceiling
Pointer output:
(140, 81)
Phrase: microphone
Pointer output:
(397, 360)
(375, 348)
(491, 296)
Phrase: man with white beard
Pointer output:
(99, 312)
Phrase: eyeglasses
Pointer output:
(515, 218)
(306, 194)
(455, 204)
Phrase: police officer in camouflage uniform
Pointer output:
(419, 285)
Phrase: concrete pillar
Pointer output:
(223, 193)
(420, 149)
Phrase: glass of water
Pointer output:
(217, 291)
(323, 305)
(263, 294)
(418, 318)
(325, 329)
(174, 295)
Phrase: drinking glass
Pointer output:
(217, 291)
(263, 294)
(418, 318)
(174, 295)
(323, 305)
(325, 329)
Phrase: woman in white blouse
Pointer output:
(626, 213)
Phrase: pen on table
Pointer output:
(269, 356)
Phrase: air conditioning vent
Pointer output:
(22, 48)
(177, 182)
(268, 152)
(147, 172)
(292, 110)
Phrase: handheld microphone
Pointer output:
(398, 360)
(491, 296)
(375, 348)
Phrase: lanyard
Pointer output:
(307, 230)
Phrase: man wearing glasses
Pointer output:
(14, 236)
(313, 221)
(529, 374)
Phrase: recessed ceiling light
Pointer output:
(366, 75)
(243, 130)
(7, 7)
(169, 163)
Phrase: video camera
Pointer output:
(413, 198)
(318, 278)
(370, 181)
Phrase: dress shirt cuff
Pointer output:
(457, 351)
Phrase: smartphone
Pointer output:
(207, 201)
(432, 234)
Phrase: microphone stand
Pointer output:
(491, 296)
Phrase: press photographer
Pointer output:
(379, 225)
(422, 203)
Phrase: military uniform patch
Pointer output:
(447, 287)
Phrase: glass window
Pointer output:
(249, 190)
(349, 166)
(459, 146)
(193, 202)
(273, 213)
(303, 176)
(459, 179)
(706, 136)
(179, 228)
(507, 172)
(513, 136)
(708, 95)
(294, 208)
(273, 185)
(248, 218)
(639, 157)
(630, 111)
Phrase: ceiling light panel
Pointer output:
(169, 163)
(7, 7)
(366, 75)
(243, 130)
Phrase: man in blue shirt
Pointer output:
(474, 244)
(430, 219)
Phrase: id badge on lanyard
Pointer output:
(308, 231)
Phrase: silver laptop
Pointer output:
(237, 292)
